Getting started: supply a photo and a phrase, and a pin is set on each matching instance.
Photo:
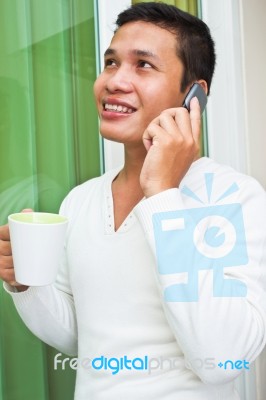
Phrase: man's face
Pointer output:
(142, 77)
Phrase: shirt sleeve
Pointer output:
(49, 311)
(211, 272)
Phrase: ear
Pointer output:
(204, 85)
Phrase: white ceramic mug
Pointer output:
(37, 241)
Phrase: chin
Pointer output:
(119, 135)
(111, 135)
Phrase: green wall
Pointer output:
(48, 143)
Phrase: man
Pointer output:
(162, 289)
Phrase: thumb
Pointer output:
(27, 210)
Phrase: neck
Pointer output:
(134, 159)
(126, 187)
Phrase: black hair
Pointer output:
(195, 46)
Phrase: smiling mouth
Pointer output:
(118, 108)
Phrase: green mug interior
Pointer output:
(38, 218)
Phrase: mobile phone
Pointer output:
(196, 91)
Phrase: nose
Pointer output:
(120, 80)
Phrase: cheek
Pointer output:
(161, 97)
(154, 107)
(97, 87)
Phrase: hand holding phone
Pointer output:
(172, 144)
(196, 91)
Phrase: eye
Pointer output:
(109, 63)
(144, 64)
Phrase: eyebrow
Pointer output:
(135, 52)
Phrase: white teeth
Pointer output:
(118, 108)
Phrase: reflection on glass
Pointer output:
(48, 144)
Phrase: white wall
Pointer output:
(226, 106)
(237, 106)
(253, 34)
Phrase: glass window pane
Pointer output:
(48, 143)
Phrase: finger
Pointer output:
(177, 122)
(152, 135)
(6, 262)
(169, 121)
(8, 275)
(5, 248)
(195, 118)
(15, 283)
(164, 124)
(4, 232)
(27, 210)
